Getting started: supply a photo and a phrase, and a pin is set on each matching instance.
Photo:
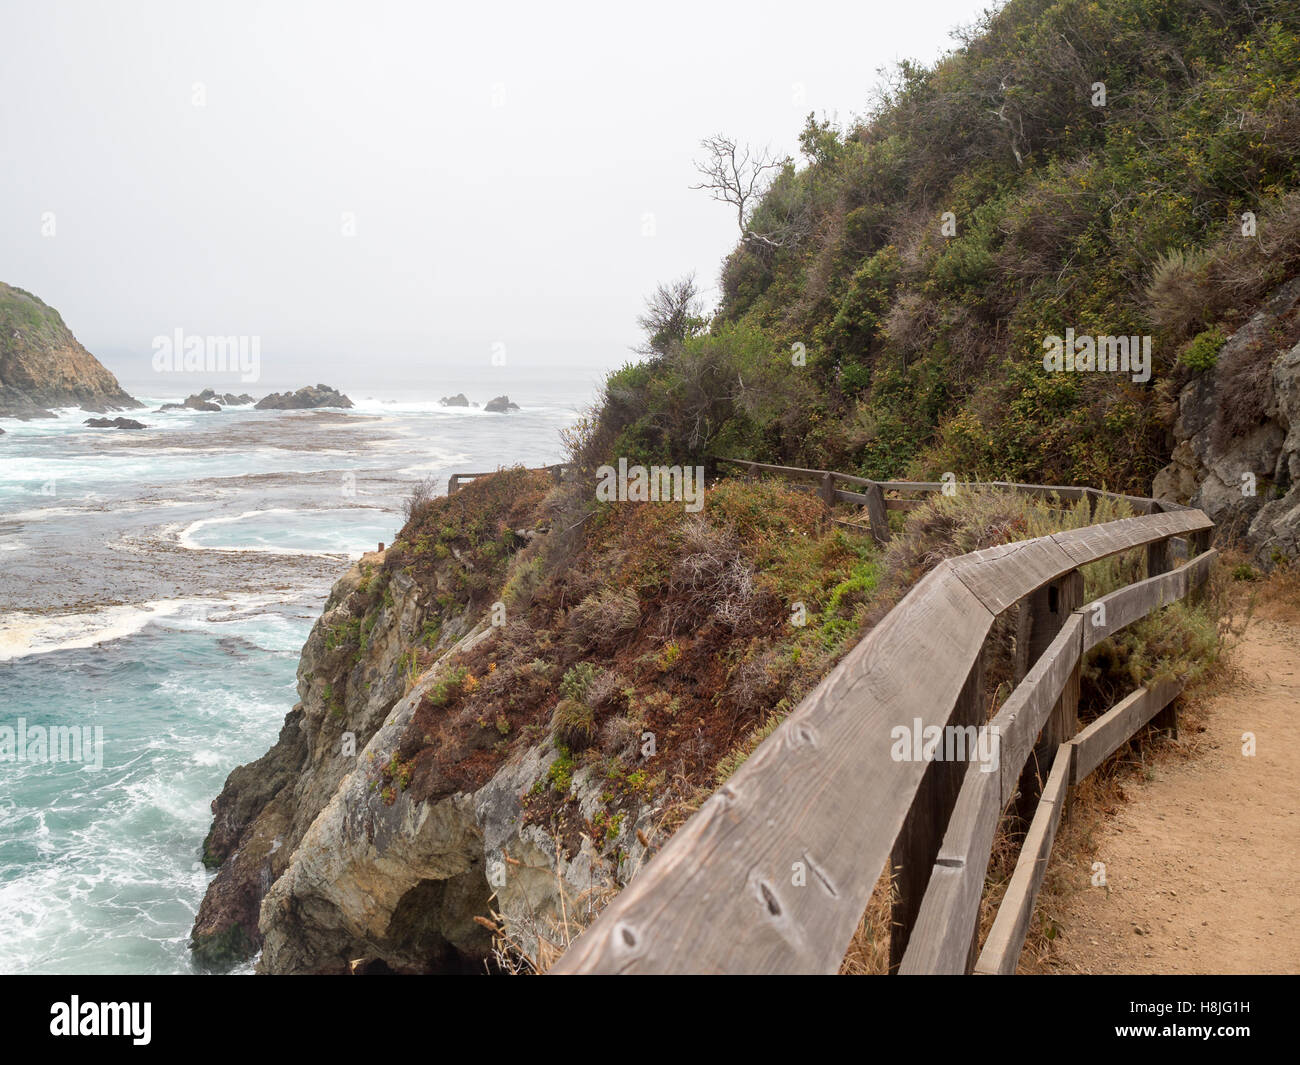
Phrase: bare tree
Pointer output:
(673, 314)
(738, 176)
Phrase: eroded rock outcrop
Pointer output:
(43, 366)
(1237, 451)
(387, 877)
(391, 817)
(307, 398)
(267, 806)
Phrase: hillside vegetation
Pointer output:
(42, 365)
(1084, 164)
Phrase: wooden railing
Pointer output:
(455, 480)
(774, 872)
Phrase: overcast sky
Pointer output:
(516, 174)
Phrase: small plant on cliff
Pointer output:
(449, 686)
(416, 505)
(668, 657)
(577, 681)
(574, 723)
(1203, 352)
(561, 772)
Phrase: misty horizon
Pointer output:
(392, 199)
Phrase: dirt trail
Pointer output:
(1203, 865)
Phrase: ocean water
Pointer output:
(156, 588)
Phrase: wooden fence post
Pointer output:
(1158, 558)
(1198, 543)
(877, 512)
(1024, 627)
(827, 490)
(1050, 606)
(453, 482)
(917, 846)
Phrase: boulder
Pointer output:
(500, 405)
(306, 398)
(114, 423)
(458, 400)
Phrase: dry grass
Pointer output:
(1278, 597)
(513, 952)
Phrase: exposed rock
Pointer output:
(226, 399)
(306, 398)
(458, 400)
(401, 882)
(114, 423)
(500, 405)
(209, 401)
(1215, 468)
(267, 806)
(337, 857)
(42, 365)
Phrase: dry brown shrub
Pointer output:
(602, 620)
(711, 580)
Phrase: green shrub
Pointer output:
(1203, 352)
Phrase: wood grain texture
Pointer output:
(1006, 939)
(1117, 726)
(941, 938)
(1001, 576)
(1098, 541)
(1126, 605)
(772, 874)
(822, 793)
(918, 843)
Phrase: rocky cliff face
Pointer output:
(1237, 452)
(329, 858)
(42, 365)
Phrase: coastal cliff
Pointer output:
(42, 365)
(359, 837)
(503, 714)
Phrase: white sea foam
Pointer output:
(23, 634)
(187, 537)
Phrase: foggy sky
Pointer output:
(518, 173)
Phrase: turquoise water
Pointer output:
(158, 585)
(99, 869)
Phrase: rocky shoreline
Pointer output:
(326, 866)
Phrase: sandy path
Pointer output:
(1203, 865)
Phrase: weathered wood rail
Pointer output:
(774, 872)
(455, 480)
(905, 495)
